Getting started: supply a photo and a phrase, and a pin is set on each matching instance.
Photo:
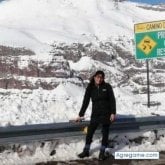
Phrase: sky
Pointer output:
(143, 1)
(149, 1)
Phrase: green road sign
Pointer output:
(150, 40)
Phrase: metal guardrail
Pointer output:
(37, 132)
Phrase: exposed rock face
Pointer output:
(118, 62)
(13, 75)
(10, 51)
(19, 68)
(160, 7)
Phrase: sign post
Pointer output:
(148, 83)
(150, 43)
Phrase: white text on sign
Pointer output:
(161, 35)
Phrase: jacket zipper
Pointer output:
(98, 90)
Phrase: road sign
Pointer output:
(146, 45)
(150, 40)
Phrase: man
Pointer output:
(103, 111)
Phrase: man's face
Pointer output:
(98, 79)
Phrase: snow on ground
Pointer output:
(40, 106)
(64, 102)
(67, 149)
(85, 63)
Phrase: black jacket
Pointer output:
(103, 102)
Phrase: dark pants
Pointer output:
(91, 130)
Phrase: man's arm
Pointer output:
(85, 101)
(112, 103)
(112, 99)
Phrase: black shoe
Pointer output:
(102, 155)
(84, 154)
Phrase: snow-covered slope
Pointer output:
(37, 23)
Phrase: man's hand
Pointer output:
(79, 119)
(112, 117)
